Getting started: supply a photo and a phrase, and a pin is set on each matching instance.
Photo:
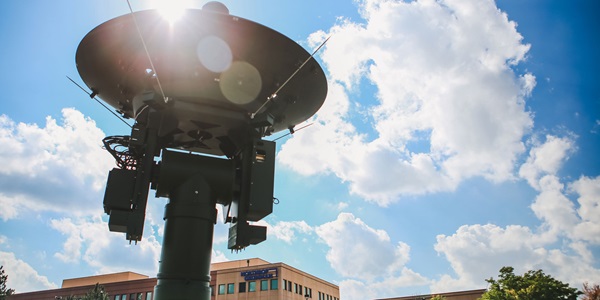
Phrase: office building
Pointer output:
(241, 279)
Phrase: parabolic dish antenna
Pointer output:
(210, 83)
(215, 70)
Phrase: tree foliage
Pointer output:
(438, 297)
(4, 290)
(97, 293)
(533, 285)
(591, 292)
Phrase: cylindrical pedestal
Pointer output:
(184, 271)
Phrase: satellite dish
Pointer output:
(210, 83)
(215, 70)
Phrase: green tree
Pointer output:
(591, 292)
(438, 297)
(4, 290)
(533, 285)
(97, 293)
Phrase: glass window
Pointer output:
(221, 289)
(274, 284)
(284, 285)
(264, 285)
(148, 295)
(300, 290)
(295, 288)
(132, 296)
(117, 297)
(140, 296)
(230, 288)
(124, 297)
(242, 287)
(212, 290)
(289, 286)
(252, 286)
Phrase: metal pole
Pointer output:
(194, 184)
(184, 271)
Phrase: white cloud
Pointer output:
(357, 250)
(218, 256)
(21, 276)
(59, 167)
(589, 209)
(10, 206)
(373, 265)
(444, 80)
(351, 289)
(285, 231)
(553, 207)
(342, 205)
(546, 158)
(89, 241)
(477, 252)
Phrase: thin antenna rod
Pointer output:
(93, 96)
(291, 132)
(274, 95)
(147, 52)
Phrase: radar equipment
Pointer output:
(197, 140)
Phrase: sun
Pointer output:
(171, 10)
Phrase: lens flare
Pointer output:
(171, 10)
(241, 83)
(214, 54)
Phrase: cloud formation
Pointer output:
(59, 167)
(479, 251)
(21, 276)
(372, 264)
(89, 241)
(449, 105)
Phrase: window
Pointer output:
(212, 290)
(230, 288)
(124, 297)
(252, 286)
(117, 297)
(242, 287)
(140, 296)
(132, 296)
(295, 288)
(221, 289)
(284, 286)
(289, 286)
(274, 284)
(149, 295)
(305, 291)
(300, 289)
(264, 285)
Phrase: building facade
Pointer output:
(242, 279)
(258, 279)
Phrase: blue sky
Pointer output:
(457, 137)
